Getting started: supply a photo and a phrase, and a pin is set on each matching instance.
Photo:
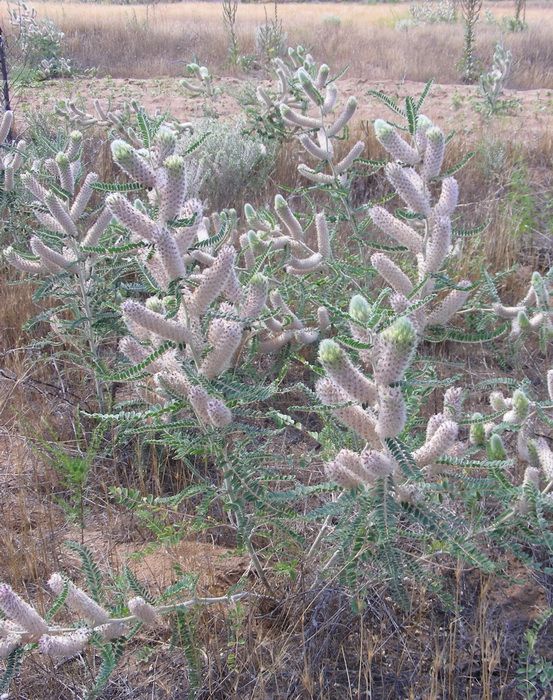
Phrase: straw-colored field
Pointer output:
(157, 40)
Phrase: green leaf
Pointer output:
(411, 111)
(91, 570)
(388, 102)
(424, 95)
(460, 165)
(404, 459)
(117, 187)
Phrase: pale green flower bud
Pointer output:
(496, 449)
(523, 321)
(360, 309)
(477, 434)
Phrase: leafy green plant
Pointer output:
(468, 65)
(39, 46)
(24, 629)
(535, 673)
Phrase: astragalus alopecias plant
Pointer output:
(412, 475)
(222, 310)
(62, 250)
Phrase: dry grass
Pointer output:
(158, 40)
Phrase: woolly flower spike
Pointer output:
(397, 229)
(8, 644)
(346, 470)
(130, 216)
(545, 457)
(434, 154)
(339, 367)
(199, 398)
(67, 180)
(344, 118)
(325, 152)
(323, 236)
(392, 413)
(174, 382)
(550, 384)
(449, 306)
(225, 337)
(323, 318)
(145, 612)
(309, 87)
(395, 350)
(213, 282)
(30, 266)
(531, 480)
(520, 408)
(444, 438)
(360, 421)
(135, 165)
(165, 142)
(53, 260)
(285, 214)
(438, 247)
(219, 414)
(393, 275)
(448, 197)
(409, 493)
(496, 449)
(169, 254)
(453, 399)
(21, 612)
(531, 476)
(423, 124)
(348, 160)
(83, 198)
(256, 296)
(155, 323)
(59, 212)
(78, 601)
(477, 434)
(394, 144)
(64, 647)
(172, 188)
(377, 464)
(409, 187)
(5, 125)
(295, 119)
